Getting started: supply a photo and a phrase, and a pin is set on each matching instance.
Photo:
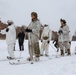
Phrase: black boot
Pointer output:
(22, 47)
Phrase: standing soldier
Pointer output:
(21, 37)
(64, 37)
(10, 32)
(45, 39)
(33, 42)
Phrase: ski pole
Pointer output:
(20, 54)
(30, 44)
(53, 48)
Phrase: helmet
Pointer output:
(10, 22)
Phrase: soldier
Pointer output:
(10, 32)
(21, 37)
(33, 42)
(64, 37)
(45, 39)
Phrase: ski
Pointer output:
(26, 62)
(2, 60)
(18, 62)
(55, 56)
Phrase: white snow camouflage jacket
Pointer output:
(46, 32)
(10, 35)
(65, 35)
(35, 26)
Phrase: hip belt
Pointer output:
(45, 38)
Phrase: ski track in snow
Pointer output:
(58, 66)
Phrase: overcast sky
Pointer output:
(49, 11)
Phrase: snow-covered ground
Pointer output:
(56, 66)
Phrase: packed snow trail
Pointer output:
(60, 66)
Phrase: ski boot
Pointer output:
(10, 58)
(37, 59)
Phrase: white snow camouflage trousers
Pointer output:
(44, 47)
(65, 44)
(10, 48)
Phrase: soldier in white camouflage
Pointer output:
(34, 29)
(64, 37)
